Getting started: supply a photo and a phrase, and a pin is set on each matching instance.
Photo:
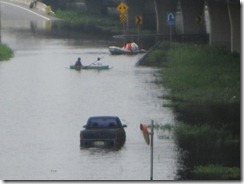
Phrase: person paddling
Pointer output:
(78, 62)
(99, 63)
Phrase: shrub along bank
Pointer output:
(80, 19)
(5, 52)
(203, 86)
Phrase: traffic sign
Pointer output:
(123, 18)
(138, 20)
(122, 8)
(198, 19)
(171, 18)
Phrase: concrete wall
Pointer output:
(96, 6)
(223, 23)
(219, 24)
(136, 8)
(165, 7)
(193, 16)
(146, 9)
(149, 17)
(235, 22)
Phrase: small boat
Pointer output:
(89, 67)
(117, 50)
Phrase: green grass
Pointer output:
(202, 74)
(216, 172)
(5, 52)
(85, 18)
(207, 145)
(195, 137)
(203, 89)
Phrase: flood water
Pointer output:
(44, 104)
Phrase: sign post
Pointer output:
(123, 18)
(122, 9)
(151, 173)
(171, 22)
(138, 21)
(144, 129)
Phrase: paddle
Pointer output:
(98, 59)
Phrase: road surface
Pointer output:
(15, 11)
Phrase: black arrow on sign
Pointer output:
(138, 20)
(198, 19)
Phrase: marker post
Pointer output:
(151, 173)
(146, 134)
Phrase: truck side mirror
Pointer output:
(124, 126)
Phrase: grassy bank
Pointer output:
(83, 17)
(78, 18)
(104, 23)
(203, 86)
(203, 75)
(5, 52)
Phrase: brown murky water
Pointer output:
(44, 105)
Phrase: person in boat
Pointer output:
(134, 47)
(128, 46)
(78, 62)
(98, 62)
(124, 46)
(131, 46)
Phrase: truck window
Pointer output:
(103, 123)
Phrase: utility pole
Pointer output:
(157, 15)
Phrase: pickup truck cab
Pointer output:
(103, 131)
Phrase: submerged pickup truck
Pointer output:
(103, 131)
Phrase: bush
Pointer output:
(203, 87)
(216, 172)
(202, 74)
(5, 52)
(197, 138)
(76, 18)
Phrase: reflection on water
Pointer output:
(44, 106)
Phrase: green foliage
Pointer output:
(206, 145)
(216, 172)
(195, 137)
(202, 74)
(5, 52)
(76, 18)
(157, 56)
(203, 87)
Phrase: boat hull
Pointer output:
(90, 67)
(117, 50)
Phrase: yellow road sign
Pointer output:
(122, 8)
(123, 18)
(198, 19)
(138, 20)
